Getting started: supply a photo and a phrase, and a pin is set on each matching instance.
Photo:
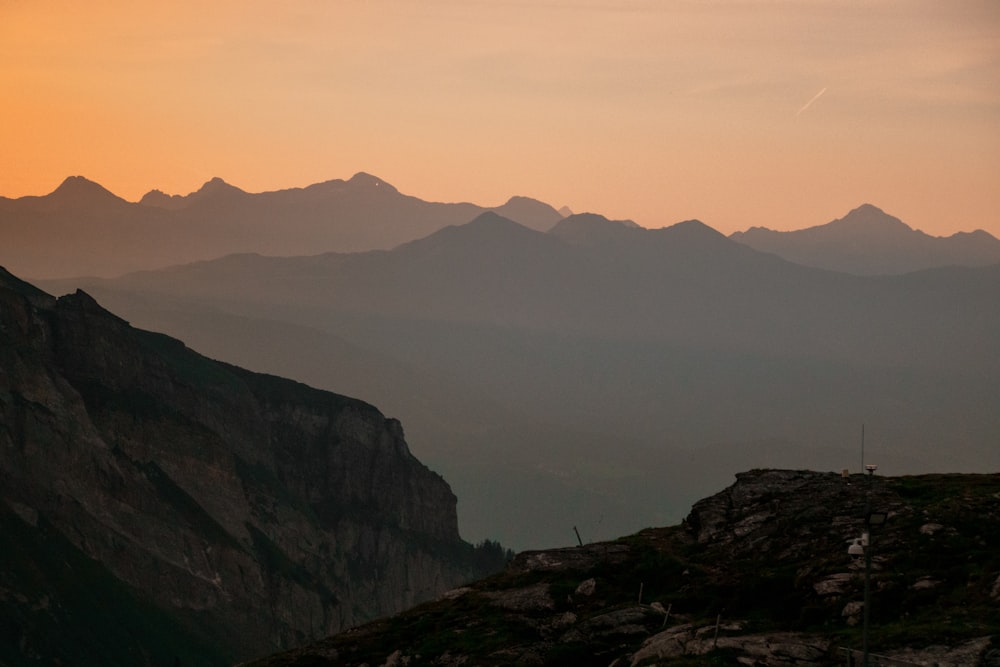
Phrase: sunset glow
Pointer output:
(783, 114)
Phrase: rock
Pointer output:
(531, 598)
(852, 612)
(586, 587)
(930, 528)
(924, 583)
(972, 652)
(570, 558)
(766, 649)
(835, 584)
(455, 593)
(620, 622)
(668, 644)
(768, 552)
(272, 512)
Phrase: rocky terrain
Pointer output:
(160, 508)
(757, 574)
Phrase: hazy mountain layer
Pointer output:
(868, 241)
(82, 229)
(605, 376)
(158, 507)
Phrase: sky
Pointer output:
(778, 113)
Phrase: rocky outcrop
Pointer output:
(758, 574)
(222, 513)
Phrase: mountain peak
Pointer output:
(488, 229)
(487, 224)
(869, 218)
(77, 183)
(867, 209)
(491, 219)
(869, 241)
(77, 191)
(216, 186)
(366, 180)
(590, 228)
(529, 212)
(159, 199)
(692, 230)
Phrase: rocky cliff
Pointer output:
(162, 508)
(758, 574)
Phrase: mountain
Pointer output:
(868, 241)
(213, 190)
(82, 229)
(75, 193)
(604, 376)
(529, 212)
(158, 507)
(757, 574)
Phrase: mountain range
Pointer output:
(602, 375)
(161, 508)
(83, 229)
(868, 241)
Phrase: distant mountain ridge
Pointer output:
(83, 229)
(610, 367)
(868, 241)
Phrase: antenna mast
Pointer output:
(862, 447)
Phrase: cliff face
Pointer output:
(215, 513)
(758, 574)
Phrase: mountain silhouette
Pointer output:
(74, 194)
(82, 229)
(868, 241)
(78, 192)
(213, 190)
(590, 229)
(603, 375)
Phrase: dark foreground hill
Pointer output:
(757, 574)
(161, 508)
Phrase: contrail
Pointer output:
(809, 103)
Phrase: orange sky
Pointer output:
(782, 113)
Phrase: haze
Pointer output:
(781, 114)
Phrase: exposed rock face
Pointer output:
(757, 575)
(238, 513)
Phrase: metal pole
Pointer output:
(868, 569)
(862, 447)
(868, 576)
